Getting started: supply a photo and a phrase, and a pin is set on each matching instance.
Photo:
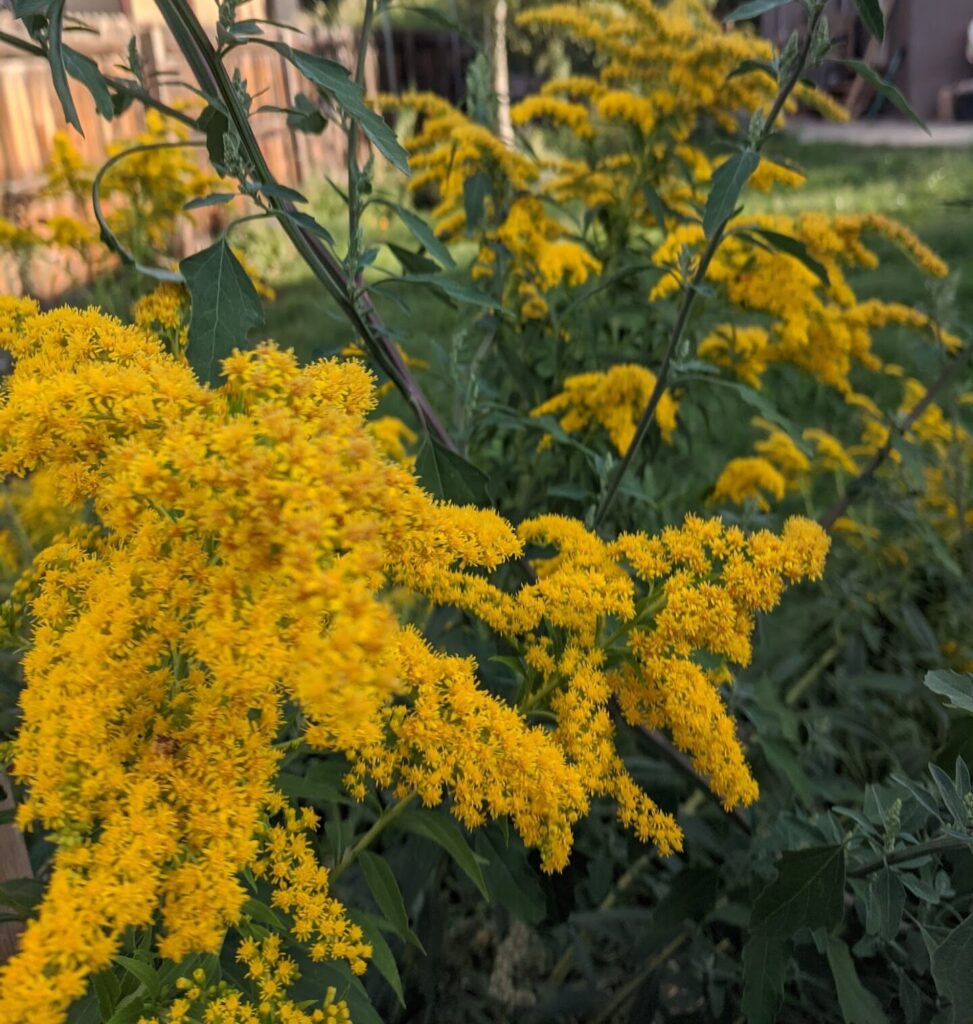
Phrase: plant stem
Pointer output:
(855, 487)
(939, 845)
(381, 824)
(689, 296)
(354, 173)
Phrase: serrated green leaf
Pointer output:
(55, 54)
(386, 893)
(857, 1004)
(807, 893)
(446, 833)
(888, 90)
(335, 80)
(872, 17)
(449, 476)
(225, 307)
(729, 180)
(956, 687)
(753, 9)
(424, 235)
(85, 70)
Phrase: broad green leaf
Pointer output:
(728, 182)
(888, 90)
(424, 235)
(447, 834)
(956, 687)
(107, 991)
(449, 476)
(793, 247)
(754, 8)
(951, 961)
(872, 17)
(85, 70)
(807, 893)
(385, 890)
(259, 911)
(305, 116)
(225, 307)
(144, 972)
(382, 959)
(213, 123)
(335, 80)
(885, 904)
(858, 1005)
(764, 966)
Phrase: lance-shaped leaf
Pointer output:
(753, 9)
(872, 17)
(888, 90)
(335, 80)
(225, 308)
(728, 182)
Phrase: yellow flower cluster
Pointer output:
(271, 973)
(614, 400)
(241, 544)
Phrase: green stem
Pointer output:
(907, 853)
(354, 172)
(384, 820)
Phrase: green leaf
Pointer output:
(225, 307)
(763, 978)
(55, 53)
(305, 116)
(28, 8)
(475, 192)
(451, 289)
(21, 894)
(335, 80)
(888, 90)
(413, 262)
(858, 1005)
(306, 221)
(423, 234)
(754, 8)
(952, 800)
(385, 890)
(951, 969)
(510, 878)
(259, 911)
(449, 476)
(277, 191)
(217, 199)
(85, 70)
(728, 182)
(446, 833)
(885, 904)
(143, 972)
(745, 67)
(872, 17)
(793, 247)
(214, 124)
(107, 991)
(382, 959)
(807, 893)
(957, 688)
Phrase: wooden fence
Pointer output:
(30, 114)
